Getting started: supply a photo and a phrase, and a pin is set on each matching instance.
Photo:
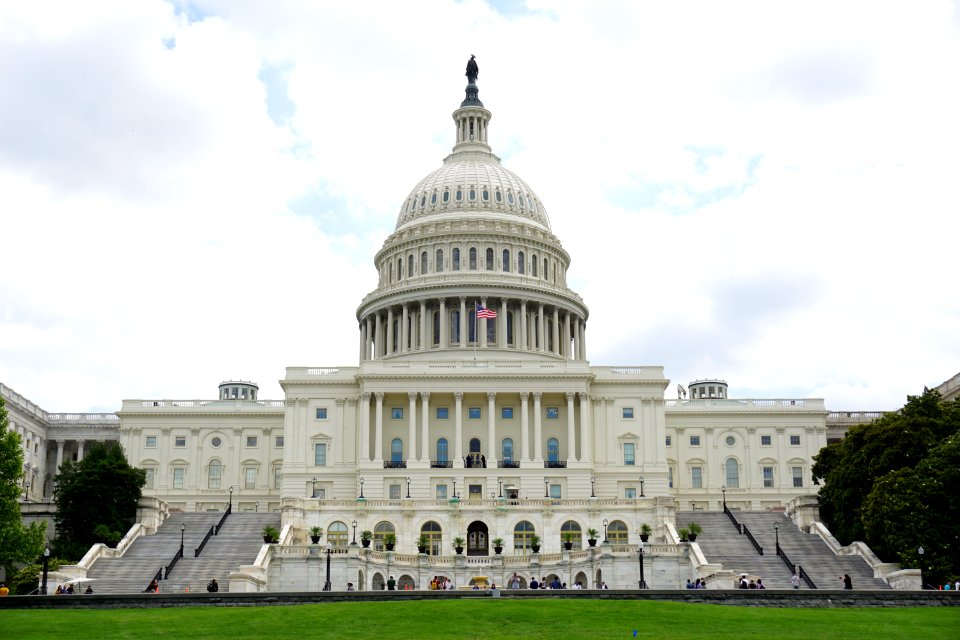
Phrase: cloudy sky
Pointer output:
(767, 193)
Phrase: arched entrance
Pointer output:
(477, 539)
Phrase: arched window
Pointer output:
(491, 331)
(506, 261)
(442, 451)
(533, 266)
(489, 255)
(472, 194)
(410, 264)
(214, 472)
(456, 259)
(617, 532)
(733, 473)
(337, 535)
(433, 198)
(499, 196)
(472, 323)
(486, 194)
(506, 450)
(396, 450)
(510, 327)
(521, 536)
(521, 266)
(510, 197)
(473, 258)
(459, 194)
(438, 265)
(446, 195)
(399, 269)
(379, 533)
(455, 326)
(391, 272)
(572, 530)
(423, 201)
(474, 445)
(436, 327)
(522, 204)
(553, 450)
(434, 537)
(423, 263)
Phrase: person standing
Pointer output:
(795, 581)
(847, 582)
(391, 584)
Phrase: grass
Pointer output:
(484, 619)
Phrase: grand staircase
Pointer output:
(721, 543)
(238, 543)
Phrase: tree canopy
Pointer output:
(18, 544)
(96, 499)
(892, 483)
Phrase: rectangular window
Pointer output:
(630, 493)
(443, 413)
(151, 441)
(277, 477)
(150, 478)
(768, 477)
(628, 413)
(553, 413)
(278, 442)
(320, 454)
(696, 477)
(555, 491)
(506, 413)
(475, 492)
(321, 494)
(250, 478)
(669, 440)
(670, 477)
(178, 473)
(797, 476)
(795, 440)
(321, 413)
(629, 454)
(251, 441)
(441, 492)
(473, 413)
(394, 492)
(765, 441)
(180, 441)
(694, 441)
(396, 413)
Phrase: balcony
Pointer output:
(441, 464)
(508, 464)
(555, 464)
(389, 464)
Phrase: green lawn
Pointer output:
(484, 619)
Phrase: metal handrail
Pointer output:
(196, 552)
(805, 577)
(756, 545)
(783, 556)
(732, 517)
(223, 519)
(173, 562)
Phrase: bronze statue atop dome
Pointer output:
(472, 69)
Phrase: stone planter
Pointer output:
(315, 539)
(592, 542)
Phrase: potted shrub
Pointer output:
(270, 534)
(365, 538)
(683, 533)
(645, 532)
(694, 530)
(315, 533)
(592, 537)
(535, 543)
(568, 540)
(458, 543)
(422, 543)
(390, 541)
(498, 545)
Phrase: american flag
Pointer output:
(483, 312)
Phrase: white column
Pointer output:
(404, 339)
(412, 434)
(390, 344)
(422, 342)
(60, 444)
(541, 329)
(458, 433)
(524, 426)
(566, 334)
(482, 327)
(571, 429)
(523, 325)
(491, 429)
(363, 339)
(80, 444)
(365, 426)
(425, 425)
(444, 334)
(586, 428)
(368, 352)
(463, 323)
(583, 338)
(340, 446)
(537, 427)
(502, 332)
(378, 440)
(556, 331)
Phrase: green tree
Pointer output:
(18, 544)
(96, 499)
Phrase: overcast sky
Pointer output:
(766, 192)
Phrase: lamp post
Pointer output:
(408, 486)
(499, 487)
(26, 489)
(605, 529)
(230, 503)
(593, 480)
(546, 487)
(643, 582)
(326, 584)
(723, 490)
(920, 552)
(354, 543)
(46, 559)
(256, 506)
(454, 487)
(361, 487)
(776, 534)
(641, 488)
(313, 487)
(183, 528)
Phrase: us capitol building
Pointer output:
(473, 412)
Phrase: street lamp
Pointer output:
(776, 533)
(643, 582)
(500, 486)
(920, 552)
(361, 486)
(26, 489)
(326, 585)
(183, 528)
(408, 486)
(546, 487)
(256, 506)
(641, 488)
(46, 558)
(593, 494)
(354, 543)
(605, 529)
(723, 490)
(454, 487)
(230, 503)
(313, 487)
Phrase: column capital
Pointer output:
(425, 395)
(585, 397)
(570, 395)
(365, 396)
(341, 401)
(379, 396)
(458, 395)
(524, 395)
(412, 395)
(463, 299)
(442, 299)
(491, 395)
(537, 395)
(60, 442)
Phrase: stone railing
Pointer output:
(745, 404)
(880, 569)
(232, 403)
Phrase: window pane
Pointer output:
(629, 453)
(213, 475)
(628, 413)
(797, 476)
(733, 474)
(696, 477)
(250, 478)
(768, 477)
(178, 478)
(321, 413)
(320, 454)
(507, 450)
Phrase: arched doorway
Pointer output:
(378, 582)
(477, 539)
